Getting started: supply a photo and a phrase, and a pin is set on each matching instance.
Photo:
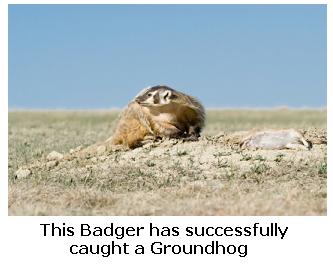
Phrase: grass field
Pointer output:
(170, 177)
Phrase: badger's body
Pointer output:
(159, 112)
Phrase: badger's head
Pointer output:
(159, 95)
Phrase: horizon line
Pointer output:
(18, 109)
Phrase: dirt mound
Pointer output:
(315, 135)
(224, 146)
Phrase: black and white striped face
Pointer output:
(155, 96)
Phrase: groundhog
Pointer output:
(159, 112)
(275, 139)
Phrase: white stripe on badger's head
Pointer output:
(155, 96)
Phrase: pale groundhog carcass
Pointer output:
(159, 112)
(275, 139)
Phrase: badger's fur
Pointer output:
(159, 112)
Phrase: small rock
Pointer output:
(102, 158)
(22, 173)
(148, 145)
(51, 164)
(77, 149)
(88, 167)
(169, 142)
(100, 150)
(54, 156)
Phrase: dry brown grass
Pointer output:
(165, 178)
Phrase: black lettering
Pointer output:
(242, 251)
(156, 248)
(120, 232)
(217, 233)
(70, 231)
(97, 231)
(228, 229)
(175, 231)
(44, 228)
(189, 231)
(153, 230)
(105, 253)
(71, 249)
(238, 231)
(85, 230)
(139, 249)
(247, 231)
(207, 231)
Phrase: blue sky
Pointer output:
(100, 56)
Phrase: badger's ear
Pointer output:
(172, 95)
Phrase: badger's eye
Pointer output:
(149, 94)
